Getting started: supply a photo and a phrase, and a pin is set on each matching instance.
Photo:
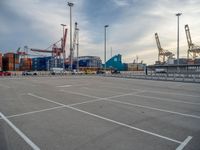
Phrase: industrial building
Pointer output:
(116, 63)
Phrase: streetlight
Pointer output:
(77, 45)
(71, 49)
(63, 48)
(178, 14)
(105, 46)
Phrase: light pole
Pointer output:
(178, 14)
(71, 49)
(105, 46)
(63, 48)
(77, 45)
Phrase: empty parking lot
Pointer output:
(93, 112)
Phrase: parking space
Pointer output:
(93, 112)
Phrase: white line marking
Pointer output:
(184, 143)
(166, 99)
(26, 139)
(103, 90)
(172, 93)
(32, 112)
(136, 105)
(125, 125)
(110, 120)
(82, 94)
(64, 86)
(43, 110)
(157, 109)
(5, 86)
(45, 99)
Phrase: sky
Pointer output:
(132, 25)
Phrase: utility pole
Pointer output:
(105, 45)
(63, 48)
(77, 45)
(71, 49)
(178, 15)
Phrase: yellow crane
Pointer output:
(193, 50)
(162, 53)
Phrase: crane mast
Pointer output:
(162, 54)
(193, 50)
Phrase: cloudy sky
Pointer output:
(132, 25)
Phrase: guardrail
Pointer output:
(194, 78)
(178, 77)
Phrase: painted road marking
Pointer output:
(110, 120)
(157, 109)
(184, 143)
(136, 105)
(64, 86)
(32, 112)
(43, 110)
(5, 86)
(167, 99)
(23, 136)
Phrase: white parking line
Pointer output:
(179, 94)
(157, 109)
(110, 120)
(23, 136)
(135, 105)
(32, 112)
(5, 86)
(64, 86)
(167, 99)
(184, 143)
(138, 89)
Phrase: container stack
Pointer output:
(136, 67)
(16, 62)
(40, 63)
(25, 64)
(197, 61)
(1, 62)
(8, 61)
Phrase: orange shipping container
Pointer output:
(25, 64)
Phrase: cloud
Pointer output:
(132, 24)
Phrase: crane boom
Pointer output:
(41, 50)
(161, 52)
(193, 50)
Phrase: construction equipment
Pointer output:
(75, 44)
(193, 50)
(23, 53)
(55, 50)
(162, 53)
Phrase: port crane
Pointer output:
(162, 53)
(75, 43)
(55, 50)
(193, 50)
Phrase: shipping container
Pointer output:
(10, 62)
(1, 62)
(197, 61)
(40, 63)
(25, 64)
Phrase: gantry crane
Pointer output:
(75, 43)
(162, 54)
(55, 50)
(193, 50)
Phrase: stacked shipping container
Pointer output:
(1, 62)
(25, 64)
(40, 63)
(10, 62)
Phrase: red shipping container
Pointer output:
(1, 62)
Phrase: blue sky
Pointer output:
(132, 24)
